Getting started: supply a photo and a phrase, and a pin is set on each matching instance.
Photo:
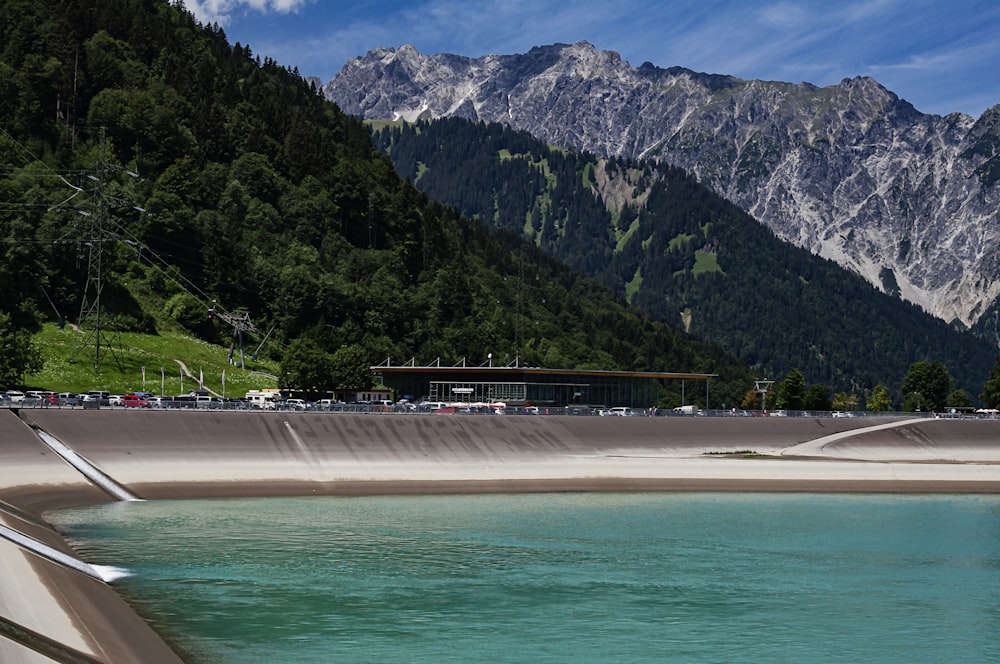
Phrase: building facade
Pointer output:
(521, 386)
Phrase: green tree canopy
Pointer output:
(307, 367)
(926, 386)
(818, 398)
(845, 401)
(350, 368)
(959, 399)
(18, 354)
(878, 400)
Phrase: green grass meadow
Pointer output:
(70, 358)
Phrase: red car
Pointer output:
(134, 401)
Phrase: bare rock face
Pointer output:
(851, 172)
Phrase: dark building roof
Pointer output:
(508, 372)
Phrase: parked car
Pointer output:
(41, 397)
(296, 404)
(115, 400)
(68, 399)
(15, 396)
(100, 397)
(135, 401)
(32, 401)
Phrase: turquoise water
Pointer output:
(560, 578)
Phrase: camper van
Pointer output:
(263, 399)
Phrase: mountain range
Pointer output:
(850, 172)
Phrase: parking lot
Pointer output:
(98, 399)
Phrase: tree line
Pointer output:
(927, 387)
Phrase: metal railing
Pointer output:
(238, 405)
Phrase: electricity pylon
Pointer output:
(96, 237)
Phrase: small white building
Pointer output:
(373, 395)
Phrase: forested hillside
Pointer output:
(684, 255)
(849, 171)
(210, 178)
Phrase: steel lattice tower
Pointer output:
(94, 235)
(97, 237)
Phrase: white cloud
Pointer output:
(783, 16)
(219, 11)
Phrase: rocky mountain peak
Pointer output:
(850, 171)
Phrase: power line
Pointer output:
(239, 319)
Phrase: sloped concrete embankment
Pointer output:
(923, 440)
(174, 454)
(49, 612)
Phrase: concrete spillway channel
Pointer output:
(89, 470)
(98, 477)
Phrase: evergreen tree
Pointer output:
(792, 391)
(818, 398)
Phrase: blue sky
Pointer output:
(940, 56)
